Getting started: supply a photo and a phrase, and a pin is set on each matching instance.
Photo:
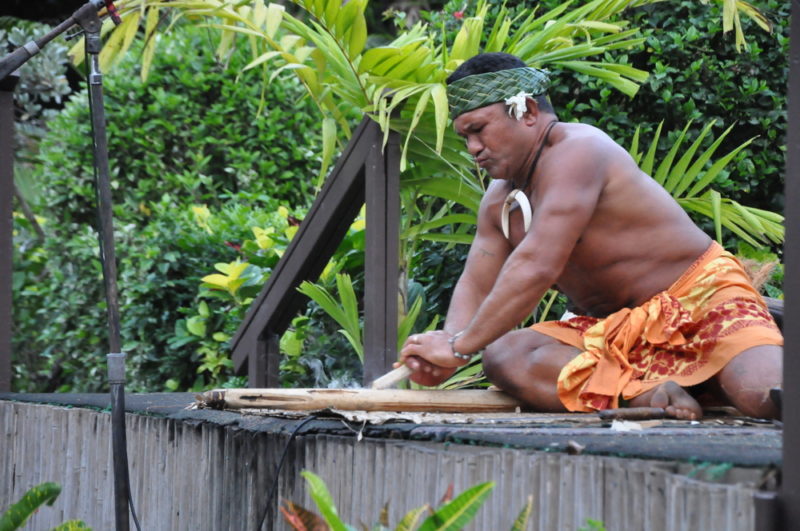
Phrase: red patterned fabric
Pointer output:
(685, 334)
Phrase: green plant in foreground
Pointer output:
(451, 516)
(593, 525)
(16, 515)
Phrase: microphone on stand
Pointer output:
(18, 57)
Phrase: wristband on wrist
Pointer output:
(452, 341)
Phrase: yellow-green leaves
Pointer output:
(229, 277)
(468, 40)
(150, 38)
(201, 216)
(262, 236)
(120, 40)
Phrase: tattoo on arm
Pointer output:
(484, 252)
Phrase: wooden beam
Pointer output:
(6, 225)
(790, 488)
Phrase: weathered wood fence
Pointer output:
(193, 475)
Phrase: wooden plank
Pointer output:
(319, 234)
(469, 400)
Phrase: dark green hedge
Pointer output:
(697, 75)
(191, 130)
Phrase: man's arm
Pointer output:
(487, 254)
(565, 199)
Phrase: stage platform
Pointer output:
(210, 469)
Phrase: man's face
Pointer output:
(494, 139)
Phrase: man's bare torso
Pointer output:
(638, 240)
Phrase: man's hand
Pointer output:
(430, 356)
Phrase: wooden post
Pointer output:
(6, 224)
(790, 488)
(381, 260)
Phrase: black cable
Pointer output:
(133, 511)
(274, 488)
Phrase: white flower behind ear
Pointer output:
(517, 104)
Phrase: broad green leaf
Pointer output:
(418, 110)
(439, 95)
(196, 326)
(274, 18)
(322, 497)
(756, 15)
(115, 45)
(358, 34)
(457, 513)
(17, 514)
(355, 342)
(451, 189)
(728, 12)
(600, 71)
(467, 40)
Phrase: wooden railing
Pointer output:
(364, 173)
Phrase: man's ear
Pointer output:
(531, 115)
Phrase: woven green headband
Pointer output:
(479, 90)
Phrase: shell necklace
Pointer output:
(517, 195)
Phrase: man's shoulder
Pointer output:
(586, 137)
(583, 147)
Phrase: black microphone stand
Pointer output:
(87, 18)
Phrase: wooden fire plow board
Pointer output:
(441, 401)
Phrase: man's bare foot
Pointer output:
(673, 399)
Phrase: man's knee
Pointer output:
(748, 378)
(510, 353)
(517, 359)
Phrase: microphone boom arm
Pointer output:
(86, 14)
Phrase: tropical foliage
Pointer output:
(400, 84)
(452, 515)
(46, 493)
(244, 134)
(688, 180)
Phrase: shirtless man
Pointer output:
(611, 239)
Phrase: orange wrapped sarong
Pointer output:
(685, 334)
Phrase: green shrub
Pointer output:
(192, 130)
(190, 136)
(697, 74)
